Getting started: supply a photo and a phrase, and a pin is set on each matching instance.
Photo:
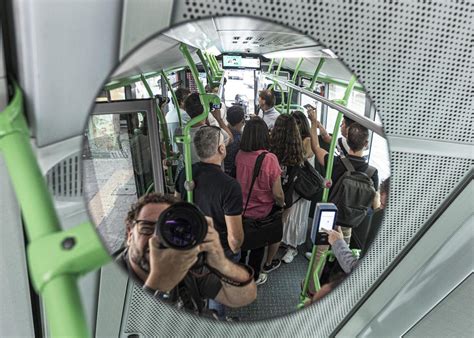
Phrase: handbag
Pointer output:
(308, 182)
(261, 232)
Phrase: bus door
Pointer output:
(122, 161)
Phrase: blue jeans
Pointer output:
(218, 307)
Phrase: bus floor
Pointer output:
(280, 294)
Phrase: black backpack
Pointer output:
(306, 181)
(353, 194)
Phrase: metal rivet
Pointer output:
(68, 243)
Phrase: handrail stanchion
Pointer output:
(304, 291)
(205, 65)
(293, 79)
(164, 130)
(270, 66)
(312, 85)
(205, 99)
(56, 258)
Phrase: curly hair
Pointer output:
(285, 141)
(136, 207)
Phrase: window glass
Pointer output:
(379, 155)
(118, 169)
(140, 90)
(356, 103)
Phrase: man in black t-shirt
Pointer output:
(218, 195)
(173, 275)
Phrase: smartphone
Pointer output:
(215, 106)
(308, 106)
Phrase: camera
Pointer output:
(162, 99)
(182, 226)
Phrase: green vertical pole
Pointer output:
(280, 64)
(293, 79)
(325, 197)
(163, 127)
(61, 298)
(164, 76)
(270, 66)
(209, 76)
(186, 138)
(216, 64)
(211, 65)
(312, 85)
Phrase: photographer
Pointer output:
(182, 277)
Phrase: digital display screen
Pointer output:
(326, 221)
(240, 62)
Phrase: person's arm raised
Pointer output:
(318, 151)
(218, 116)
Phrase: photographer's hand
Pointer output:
(216, 257)
(168, 266)
(229, 295)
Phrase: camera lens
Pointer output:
(182, 226)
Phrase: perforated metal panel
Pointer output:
(64, 179)
(416, 62)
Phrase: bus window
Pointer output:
(356, 103)
(140, 91)
(240, 89)
(379, 155)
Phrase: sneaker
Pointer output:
(262, 279)
(275, 264)
(289, 255)
(308, 255)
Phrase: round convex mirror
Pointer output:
(241, 117)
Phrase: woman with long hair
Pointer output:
(267, 190)
(295, 219)
(287, 145)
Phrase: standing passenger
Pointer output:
(287, 145)
(295, 219)
(266, 101)
(267, 190)
(172, 117)
(218, 195)
(235, 117)
(194, 108)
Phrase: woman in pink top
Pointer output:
(267, 190)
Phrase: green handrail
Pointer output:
(304, 291)
(164, 76)
(292, 106)
(270, 66)
(213, 69)
(219, 72)
(206, 100)
(312, 85)
(293, 79)
(203, 59)
(56, 258)
(164, 130)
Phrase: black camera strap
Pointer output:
(231, 281)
